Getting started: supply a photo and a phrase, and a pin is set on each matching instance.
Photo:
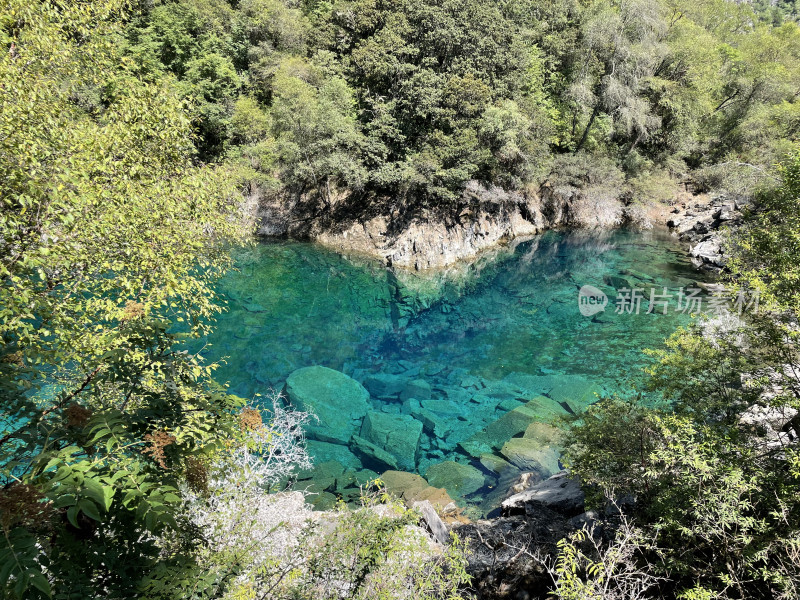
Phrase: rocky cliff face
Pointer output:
(433, 237)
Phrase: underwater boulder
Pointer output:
(576, 392)
(373, 455)
(330, 469)
(517, 421)
(325, 451)
(497, 465)
(531, 385)
(476, 445)
(443, 407)
(402, 482)
(323, 501)
(458, 479)
(416, 388)
(414, 488)
(385, 385)
(528, 454)
(396, 433)
(338, 401)
(618, 283)
(433, 424)
(544, 433)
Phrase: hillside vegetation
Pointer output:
(410, 99)
(127, 132)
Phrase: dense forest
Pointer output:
(410, 100)
(128, 131)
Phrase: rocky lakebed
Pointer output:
(451, 384)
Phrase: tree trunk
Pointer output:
(595, 112)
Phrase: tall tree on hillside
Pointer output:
(621, 45)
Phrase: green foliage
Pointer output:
(419, 104)
(314, 124)
(768, 246)
(373, 553)
(716, 494)
(111, 240)
(716, 483)
(588, 567)
(112, 234)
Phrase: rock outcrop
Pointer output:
(699, 220)
(431, 237)
(560, 493)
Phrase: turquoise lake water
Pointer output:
(455, 352)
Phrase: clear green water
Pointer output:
(469, 335)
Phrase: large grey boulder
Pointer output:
(338, 402)
(561, 493)
(709, 251)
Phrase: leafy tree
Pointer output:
(110, 241)
(619, 49)
(423, 82)
(315, 127)
(716, 470)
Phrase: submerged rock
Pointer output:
(385, 385)
(576, 392)
(414, 488)
(528, 454)
(544, 433)
(538, 410)
(338, 402)
(323, 501)
(476, 445)
(373, 454)
(458, 479)
(444, 407)
(436, 426)
(319, 485)
(618, 283)
(495, 464)
(324, 451)
(402, 482)
(322, 471)
(418, 388)
(396, 433)
(535, 385)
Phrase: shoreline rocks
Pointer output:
(699, 220)
(430, 238)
